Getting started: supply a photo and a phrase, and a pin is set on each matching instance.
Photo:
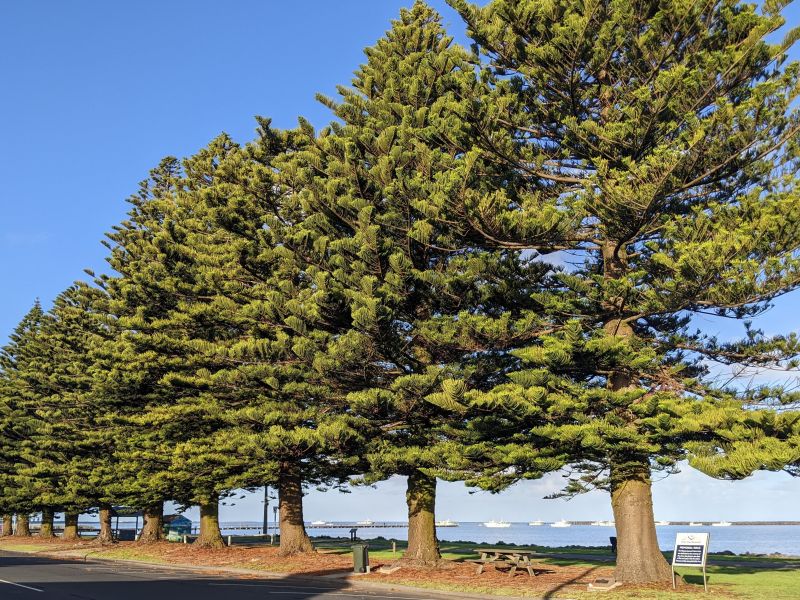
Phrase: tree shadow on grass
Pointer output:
(586, 573)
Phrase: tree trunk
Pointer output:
(639, 559)
(46, 530)
(294, 538)
(106, 534)
(23, 528)
(421, 499)
(8, 525)
(210, 535)
(70, 527)
(153, 528)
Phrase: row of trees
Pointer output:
(384, 297)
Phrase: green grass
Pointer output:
(751, 582)
(43, 547)
(138, 554)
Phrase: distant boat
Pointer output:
(319, 523)
(722, 524)
(597, 523)
(662, 523)
(366, 522)
(536, 523)
(446, 523)
(497, 524)
(561, 523)
(695, 524)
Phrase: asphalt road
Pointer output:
(26, 577)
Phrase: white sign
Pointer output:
(691, 550)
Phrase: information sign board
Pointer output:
(691, 550)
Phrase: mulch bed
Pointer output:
(549, 578)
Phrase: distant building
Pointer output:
(177, 524)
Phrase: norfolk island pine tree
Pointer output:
(64, 445)
(278, 415)
(143, 448)
(142, 451)
(658, 142)
(76, 439)
(15, 423)
(429, 308)
(163, 366)
(223, 344)
(295, 428)
(28, 486)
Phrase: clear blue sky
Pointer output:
(94, 93)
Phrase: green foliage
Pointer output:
(17, 391)
(60, 429)
(657, 144)
(381, 297)
(429, 313)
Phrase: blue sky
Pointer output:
(94, 93)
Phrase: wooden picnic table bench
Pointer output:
(501, 558)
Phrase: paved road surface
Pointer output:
(26, 577)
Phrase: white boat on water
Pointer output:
(722, 524)
(597, 523)
(365, 522)
(497, 524)
(695, 524)
(536, 523)
(662, 523)
(561, 523)
(446, 523)
(319, 523)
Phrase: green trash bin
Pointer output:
(360, 558)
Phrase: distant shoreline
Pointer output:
(392, 524)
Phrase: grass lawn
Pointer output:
(36, 547)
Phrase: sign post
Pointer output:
(691, 550)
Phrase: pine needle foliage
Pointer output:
(656, 143)
(74, 443)
(429, 313)
(220, 322)
(18, 389)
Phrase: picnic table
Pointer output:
(502, 558)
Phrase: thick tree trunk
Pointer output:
(421, 499)
(23, 528)
(294, 538)
(8, 525)
(639, 559)
(106, 533)
(210, 534)
(153, 528)
(70, 526)
(46, 530)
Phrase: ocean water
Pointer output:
(740, 539)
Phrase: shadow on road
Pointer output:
(26, 576)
